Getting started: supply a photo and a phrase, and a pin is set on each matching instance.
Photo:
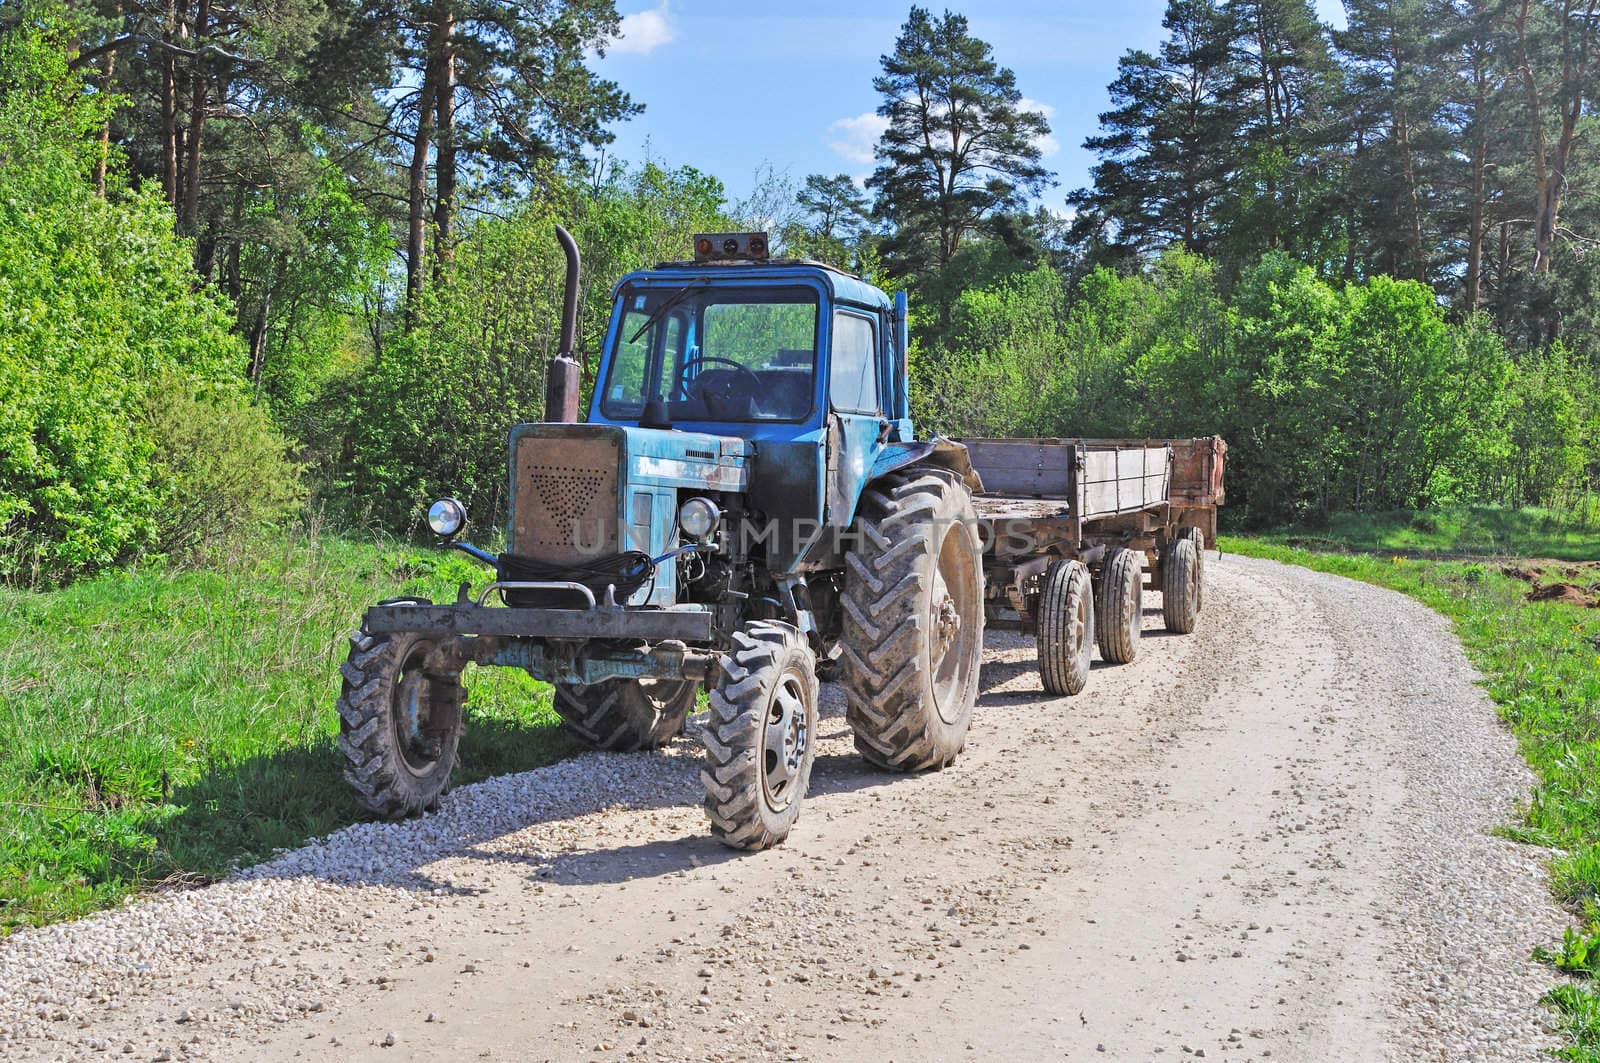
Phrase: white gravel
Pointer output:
(1271, 840)
(1464, 907)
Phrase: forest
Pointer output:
(267, 263)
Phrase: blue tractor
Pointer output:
(745, 508)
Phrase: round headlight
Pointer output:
(699, 518)
(447, 517)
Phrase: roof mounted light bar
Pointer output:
(728, 247)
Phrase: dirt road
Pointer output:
(1267, 840)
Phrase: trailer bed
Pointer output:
(1094, 481)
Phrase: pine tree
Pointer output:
(960, 148)
(837, 208)
(1285, 86)
(1393, 101)
(502, 84)
(1169, 149)
(1475, 65)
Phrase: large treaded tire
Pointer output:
(760, 735)
(913, 620)
(1180, 586)
(1065, 627)
(626, 715)
(389, 775)
(1198, 537)
(1119, 601)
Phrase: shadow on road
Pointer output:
(255, 806)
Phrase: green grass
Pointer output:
(1541, 663)
(1491, 531)
(165, 726)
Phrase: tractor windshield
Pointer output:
(714, 353)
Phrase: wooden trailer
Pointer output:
(1075, 530)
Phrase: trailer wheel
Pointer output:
(913, 620)
(399, 727)
(1198, 537)
(625, 715)
(1066, 627)
(1180, 585)
(1119, 616)
(761, 737)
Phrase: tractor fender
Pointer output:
(940, 450)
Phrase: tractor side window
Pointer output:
(853, 378)
(636, 351)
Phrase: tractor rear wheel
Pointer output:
(913, 620)
(760, 736)
(1180, 586)
(1119, 617)
(626, 715)
(1065, 627)
(399, 725)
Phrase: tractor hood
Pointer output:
(581, 491)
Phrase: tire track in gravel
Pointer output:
(1267, 840)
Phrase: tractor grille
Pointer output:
(566, 491)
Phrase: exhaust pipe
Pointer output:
(562, 376)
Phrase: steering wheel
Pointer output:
(724, 393)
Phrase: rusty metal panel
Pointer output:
(1029, 468)
(1197, 470)
(565, 492)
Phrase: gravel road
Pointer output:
(1267, 840)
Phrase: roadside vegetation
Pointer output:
(1532, 627)
(159, 726)
(1568, 533)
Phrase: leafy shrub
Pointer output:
(220, 468)
(101, 312)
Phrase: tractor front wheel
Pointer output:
(399, 724)
(760, 736)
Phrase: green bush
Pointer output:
(101, 316)
(1357, 397)
(221, 469)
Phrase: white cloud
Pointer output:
(1047, 144)
(854, 138)
(644, 31)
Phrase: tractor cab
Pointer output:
(735, 343)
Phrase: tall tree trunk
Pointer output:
(417, 178)
(1269, 116)
(1476, 225)
(258, 337)
(1414, 206)
(189, 214)
(1350, 227)
(445, 157)
(104, 156)
(1550, 162)
(169, 113)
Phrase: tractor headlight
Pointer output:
(447, 517)
(699, 518)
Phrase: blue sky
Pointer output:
(732, 87)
